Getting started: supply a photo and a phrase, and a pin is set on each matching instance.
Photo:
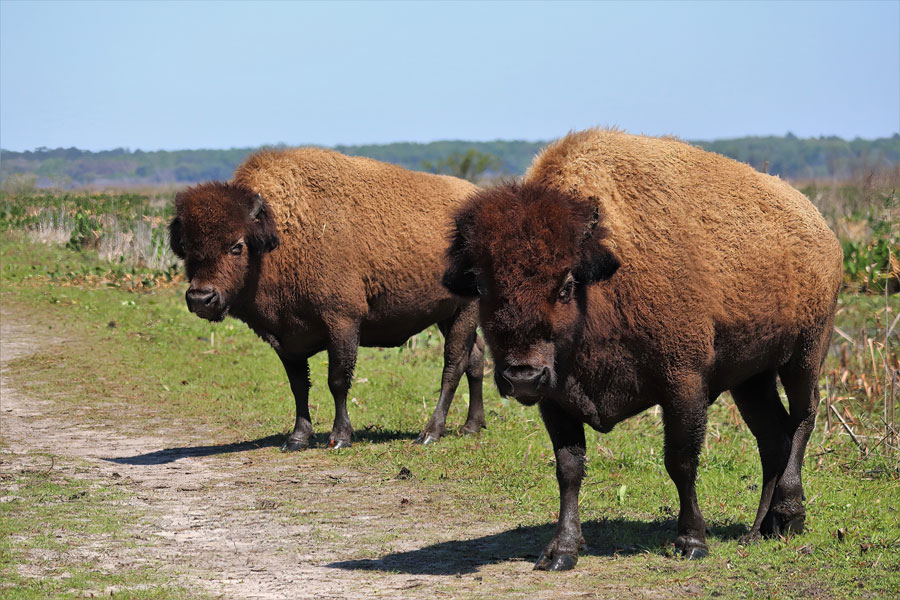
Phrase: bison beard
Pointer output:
(628, 271)
(317, 251)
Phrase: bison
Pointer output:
(316, 250)
(625, 272)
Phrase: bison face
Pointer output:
(221, 231)
(528, 253)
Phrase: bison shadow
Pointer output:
(373, 435)
(160, 457)
(605, 537)
(168, 455)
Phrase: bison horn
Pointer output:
(257, 206)
(592, 225)
(595, 218)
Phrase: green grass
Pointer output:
(144, 350)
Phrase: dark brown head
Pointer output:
(529, 252)
(221, 231)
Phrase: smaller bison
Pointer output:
(317, 251)
(626, 272)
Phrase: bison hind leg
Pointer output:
(475, 376)
(800, 378)
(342, 347)
(463, 353)
(760, 405)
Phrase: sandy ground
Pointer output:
(242, 521)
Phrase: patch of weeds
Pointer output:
(123, 237)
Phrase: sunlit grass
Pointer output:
(144, 351)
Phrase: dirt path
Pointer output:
(237, 521)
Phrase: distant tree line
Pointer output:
(813, 158)
(68, 167)
(512, 157)
(788, 156)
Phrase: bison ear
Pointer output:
(596, 261)
(175, 240)
(459, 277)
(263, 234)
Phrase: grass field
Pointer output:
(141, 355)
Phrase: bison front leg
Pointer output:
(684, 421)
(343, 346)
(298, 374)
(567, 435)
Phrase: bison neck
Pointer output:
(604, 394)
(284, 320)
(605, 381)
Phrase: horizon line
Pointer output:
(787, 135)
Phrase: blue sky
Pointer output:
(166, 75)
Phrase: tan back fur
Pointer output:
(346, 217)
(715, 232)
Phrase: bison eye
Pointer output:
(238, 249)
(482, 291)
(565, 292)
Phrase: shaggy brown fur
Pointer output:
(628, 271)
(317, 251)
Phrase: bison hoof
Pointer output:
(774, 525)
(555, 562)
(691, 548)
(696, 553)
(472, 429)
(426, 437)
(794, 525)
(292, 444)
(338, 444)
(749, 538)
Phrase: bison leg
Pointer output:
(475, 376)
(800, 380)
(567, 435)
(760, 405)
(298, 374)
(459, 342)
(342, 349)
(684, 422)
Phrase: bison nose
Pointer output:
(198, 299)
(526, 378)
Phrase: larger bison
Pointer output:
(317, 251)
(628, 271)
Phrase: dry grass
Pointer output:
(143, 243)
(127, 231)
(862, 377)
(53, 227)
